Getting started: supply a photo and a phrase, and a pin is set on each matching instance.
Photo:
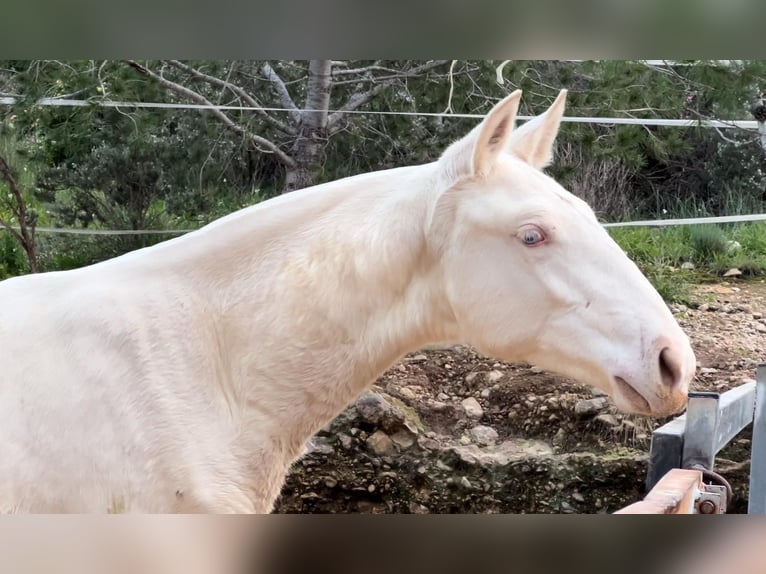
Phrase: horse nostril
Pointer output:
(670, 368)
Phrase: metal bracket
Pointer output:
(711, 499)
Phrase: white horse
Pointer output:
(188, 376)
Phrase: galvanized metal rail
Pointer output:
(711, 421)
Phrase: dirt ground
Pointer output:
(457, 432)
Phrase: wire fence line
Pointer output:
(65, 102)
(642, 223)
(662, 122)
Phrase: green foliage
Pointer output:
(12, 259)
(709, 242)
(660, 253)
(96, 167)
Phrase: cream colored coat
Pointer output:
(187, 376)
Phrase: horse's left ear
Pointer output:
(476, 153)
(533, 141)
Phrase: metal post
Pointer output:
(701, 429)
(665, 451)
(757, 498)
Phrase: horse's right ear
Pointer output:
(476, 153)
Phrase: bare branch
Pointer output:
(281, 89)
(360, 98)
(373, 68)
(226, 120)
(236, 90)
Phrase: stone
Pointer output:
(404, 439)
(319, 445)
(408, 392)
(381, 444)
(483, 435)
(427, 443)
(733, 272)
(590, 407)
(465, 483)
(687, 265)
(375, 409)
(416, 508)
(485, 393)
(345, 441)
(494, 376)
(760, 327)
(536, 370)
(472, 408)
(502, 454)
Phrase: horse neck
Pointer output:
(320, 292)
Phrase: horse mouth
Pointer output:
(638, 403)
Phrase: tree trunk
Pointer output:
(311, 134)
(29, 249)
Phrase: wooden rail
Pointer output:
(678, 492)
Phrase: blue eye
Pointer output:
(531, 236)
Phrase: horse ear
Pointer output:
(475, 154)
(533, 141)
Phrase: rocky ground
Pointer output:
(451, 431)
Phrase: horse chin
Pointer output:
(629, 400)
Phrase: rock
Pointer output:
(437, 406)
(416, 508)
(608, 420)
(707, 371)
(494, 376)
(598, 393)
(485, 393)
(733, 272)
(465, 483)
(345, 441)
(760, 327)
(502, 454)
(472, 408)
(376, 410)
(687, 265)
(757, 315)
(409, 392)
(590, 407)
(536, 370)
(319, 445)
(442, 397)
(483, 435)
(704, 307)
(404, 439)
(427, 443)
(381, 444)
(578, 497)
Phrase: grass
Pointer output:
(711, 249)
